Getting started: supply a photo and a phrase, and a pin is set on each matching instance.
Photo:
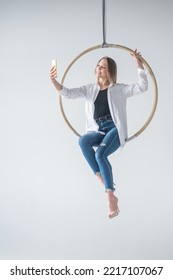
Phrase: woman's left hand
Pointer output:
(136, 55)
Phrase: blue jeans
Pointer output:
(106, 145)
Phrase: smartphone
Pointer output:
(54, 63)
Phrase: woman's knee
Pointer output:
(82, 140)
(100, 153)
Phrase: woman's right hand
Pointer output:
(53, 73)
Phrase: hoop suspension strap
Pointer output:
(104, 23)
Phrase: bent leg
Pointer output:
(109, 144)
(86, 143)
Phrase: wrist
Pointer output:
(140, 64)
(53, 80)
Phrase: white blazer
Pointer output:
(117, 96)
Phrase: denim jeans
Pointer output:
(96, 148)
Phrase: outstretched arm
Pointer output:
(71, 93)
(142, 84)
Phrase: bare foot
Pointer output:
(112, 205)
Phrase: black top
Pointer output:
(101, 105)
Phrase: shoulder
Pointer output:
(117, 91)
(118, 86)
(92, 86)
(92, 90)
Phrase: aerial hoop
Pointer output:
(145, 64)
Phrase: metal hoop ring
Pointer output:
(147, 67)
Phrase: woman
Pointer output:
(106, 120)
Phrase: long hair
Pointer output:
(112, 69)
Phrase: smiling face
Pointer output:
(106, 70)
(101, 70)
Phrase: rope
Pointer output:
(104, 23)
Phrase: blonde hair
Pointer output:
(112, 69)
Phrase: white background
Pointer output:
(51, 205)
